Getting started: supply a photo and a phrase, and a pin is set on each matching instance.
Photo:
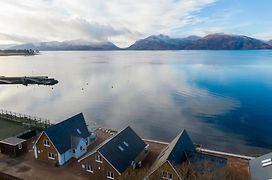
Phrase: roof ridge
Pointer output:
(111, 138)
(65, 121)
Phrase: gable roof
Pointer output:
(260, 168)
(121, 149)
(61, 134)
(179, 146)
(175, 151)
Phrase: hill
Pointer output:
(67, 46)
(162, 42)
(227, 42)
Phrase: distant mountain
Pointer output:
(227, 42)
(209, 42)
(6, 46)
(67, 46)
(157, 42)
(162, 42)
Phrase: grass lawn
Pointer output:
(12, 54)
(8, 128)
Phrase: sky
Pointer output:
(125, 21)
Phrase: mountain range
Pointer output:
(158, 42)
(209, 42)
(72, 45)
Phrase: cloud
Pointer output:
(17, 38)
(120, 21)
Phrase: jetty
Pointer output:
(39, 80)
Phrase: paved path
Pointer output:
(225, 153)
(209, 151)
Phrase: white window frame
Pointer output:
(46, 143)
(98, 158)
(20, 146)
(167, 175)
(110, 175)
(51, 156)
(89, 168)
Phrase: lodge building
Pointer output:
(64, 141)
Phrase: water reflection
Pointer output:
(157, 93)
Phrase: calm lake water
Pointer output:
(222, 98)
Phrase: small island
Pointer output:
(19, 52)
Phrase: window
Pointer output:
(121, 149)
(125, 143)
(20, 146)
(110, 175)
(83, 166)
(147, 148)
(90, 168)
(46, 143)
(51, 156)
(81, 148)
(78, 131)
(87, 142)
(167, 175)
(74, 151)
(98, 158)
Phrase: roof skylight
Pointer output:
(125, 143)
(267, 162)
(121, 149)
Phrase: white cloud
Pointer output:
(120, 21)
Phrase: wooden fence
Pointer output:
(25, 120)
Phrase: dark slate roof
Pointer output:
(62, 133)
(175, 151)
(257, 171)
(180, 145)
(131, 144)
(205, 163)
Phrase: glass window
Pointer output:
(90, 168)
(51, 156)
(167, 175)
(46, 143)
(98, 158)
(110, 175)
(20, 146)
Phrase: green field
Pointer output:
(14, 54)
(8, 128)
